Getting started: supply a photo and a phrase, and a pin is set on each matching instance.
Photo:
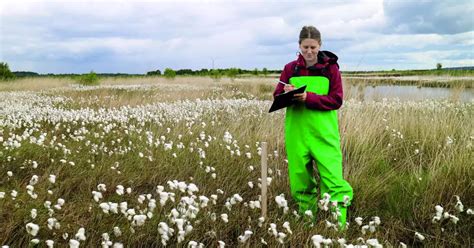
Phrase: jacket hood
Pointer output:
(324, 59)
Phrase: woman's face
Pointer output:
(309, 49)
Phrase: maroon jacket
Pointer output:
(326, 66)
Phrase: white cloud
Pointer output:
(72, 36)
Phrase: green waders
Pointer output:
(314, 135)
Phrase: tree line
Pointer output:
(7, 74)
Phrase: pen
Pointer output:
(279, 81)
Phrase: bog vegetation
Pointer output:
(150, 162)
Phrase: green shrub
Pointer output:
(215, 74)
(89, 79)
(5, 73)
(232, 73)
(169, 73)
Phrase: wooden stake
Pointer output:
(264, 179)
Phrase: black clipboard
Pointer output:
(284, 100)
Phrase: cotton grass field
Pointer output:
(150, 162)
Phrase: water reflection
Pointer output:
(412, 93)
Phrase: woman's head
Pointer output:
(310, 43)
(310, 32)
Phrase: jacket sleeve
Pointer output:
(334, 98)
(284, 77)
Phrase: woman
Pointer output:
(311, 126)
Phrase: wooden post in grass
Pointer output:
(264, 179)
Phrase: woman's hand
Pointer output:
(289, 87)
(301, 97)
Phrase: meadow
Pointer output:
(152, 162)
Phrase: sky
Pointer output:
(140, 36)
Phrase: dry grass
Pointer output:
(35, 84)
(402, 159)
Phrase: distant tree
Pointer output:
(89, 79)
(265, 72)
(439, 66)
(5, 73)
(203, 72)
(154, 73)
(169, 73)
(255, 72)
(215, 74)
(26, 74)
(232, 73)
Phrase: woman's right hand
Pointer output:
(289, 87)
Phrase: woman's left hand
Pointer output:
(301, 97)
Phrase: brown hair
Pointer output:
(310, 32)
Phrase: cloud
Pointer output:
(135, 37)
(441, 17)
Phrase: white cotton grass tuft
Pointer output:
(106, 240)
(235, 199)
(281, 237)
(105, 207)
(227, 137)
(438, 215)
(221, 244)
(73, 243)
(138, 220)
(243, 238)
(286, 225)
(261, 220)
(33, 213)
(282, 203)
(119, 190)
(194, 244)
(225, 218)
(459, 206)
(342, 242)
(374, 243)
(52, 179)
(250, 184)
(49, 243)
(101, 187)
(97, 196)
(165, 232)
(317, 240)
(14, 194)
(346, 200)
(32, 229)
(81, 234)
(358, 220)
(53, 223)
(454, 219)
(117, 231)
(254, 204)
(273, 230)
(419, 236)
(365, 228)
(324, 202)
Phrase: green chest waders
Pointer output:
(314, 135)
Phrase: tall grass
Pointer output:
(402, 159)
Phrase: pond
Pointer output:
(406, 93)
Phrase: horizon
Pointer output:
(61, 37)
(270, 70)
